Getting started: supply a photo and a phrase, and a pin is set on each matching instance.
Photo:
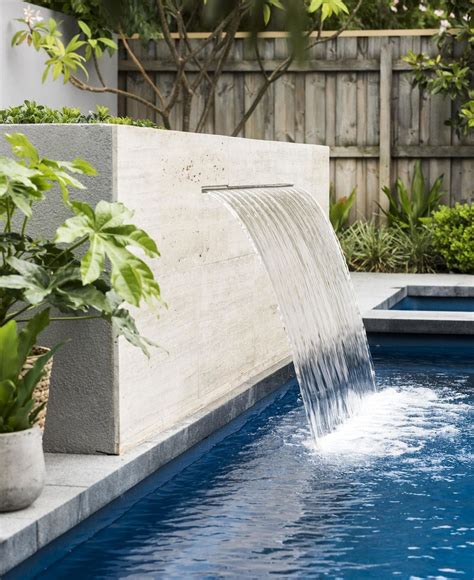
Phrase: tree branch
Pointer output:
(142, 70)
(89, 88)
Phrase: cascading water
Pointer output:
(304, 261)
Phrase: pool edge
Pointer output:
(67, 504)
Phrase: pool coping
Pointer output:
(379, 298)
(80, 485)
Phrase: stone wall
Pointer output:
(222, 327)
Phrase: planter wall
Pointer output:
(22, 68)
(222, 327)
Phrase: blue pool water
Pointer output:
(436, 303)
(388, 495)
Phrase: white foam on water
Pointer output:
(394, 422)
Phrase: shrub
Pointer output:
(30, 112)
(418, 250)
(453, 236)
(371, 248)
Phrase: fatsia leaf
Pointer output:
(110, 236)
(86, 297)
(93, 262)
(32, 279)
(72, 229)
(124, 325)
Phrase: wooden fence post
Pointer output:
(385, 121)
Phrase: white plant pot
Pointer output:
(22, 470)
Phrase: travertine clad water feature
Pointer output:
(304, 261)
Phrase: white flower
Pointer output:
(465, 17)
(443, 26)
(31, 16)
(422, 8)
(439, 13)
(393, 8)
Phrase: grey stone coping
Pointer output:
(377, 293)
(79, 485)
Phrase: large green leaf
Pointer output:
(10, 364)
(7, 392)
(109, 237)
(125, 325)
(33, 280)
(28, 336)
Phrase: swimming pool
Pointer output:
(389, 494)
(436, 303)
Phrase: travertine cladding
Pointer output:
(222, 326)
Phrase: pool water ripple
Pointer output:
(388, 494)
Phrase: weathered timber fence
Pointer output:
(353, 94)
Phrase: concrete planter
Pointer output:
(222, 328)
(22, 470)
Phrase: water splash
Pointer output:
(304, 261)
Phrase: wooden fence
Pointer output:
(353, 94)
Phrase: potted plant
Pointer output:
(86, 271)
(21, 453)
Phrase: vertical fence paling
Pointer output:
(353, 94)
(385, 139)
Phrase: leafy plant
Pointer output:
(90, 269)
(453, 236)
(17, 403)
(451, 71)
(30, 112)
(198, 68)
(419, 253)
(372, 248)
(408, 209)
(339, 209)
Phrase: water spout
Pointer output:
(307, 269)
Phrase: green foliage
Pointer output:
(30, 112)
(17, 404)
(453, 236)
(140, 17)
(451, 71)
(417, 248)
(339, 209)
(371, 248)
(408, 209)
(98, 22)
(88, 270)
